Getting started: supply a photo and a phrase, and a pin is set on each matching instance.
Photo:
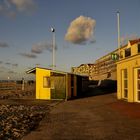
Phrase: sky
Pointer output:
(85, 30)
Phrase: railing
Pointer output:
(15, 86)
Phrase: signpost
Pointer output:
(114, 56)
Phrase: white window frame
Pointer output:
(123, 84)
(137, 90)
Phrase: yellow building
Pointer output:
(52, 84)
(128, 72)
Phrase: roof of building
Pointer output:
(33, 70)
(89, 64)
(132, 42)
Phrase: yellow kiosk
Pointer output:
(52, 84)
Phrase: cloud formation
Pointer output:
(40, 47)
(28, 55)
(11, 72)
(8, 63)
(10, 8)
(3, 44)
(23, 5)
(6, 12)
(81, 30)
(15, 65)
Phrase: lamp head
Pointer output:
(52, 29)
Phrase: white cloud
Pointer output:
(24, 5)
(40, 47)
(10, 8)
(8, 63)
(7, 4)
(3, 44)
(81, 30)
(11, 14)
(28, 55)
(37, 48)
(12, 72)
(15, 65)
(4, 10)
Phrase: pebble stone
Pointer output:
(18, 120)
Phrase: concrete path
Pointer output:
(92, 118)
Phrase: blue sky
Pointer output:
(25, 24)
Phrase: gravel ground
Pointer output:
(18, 120)
(20, 113)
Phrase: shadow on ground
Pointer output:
(105, 87)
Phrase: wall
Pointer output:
(130, 64)
(41, 92)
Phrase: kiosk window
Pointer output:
(46, 82)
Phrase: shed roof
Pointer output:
(33, 70)
(54, 72)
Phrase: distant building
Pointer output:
(84, 69)
(104, 68)
(128, 72)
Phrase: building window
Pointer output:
(127, 52)
(138, 95)
(125, 93)
(138, 74)
(46, 82)
(125, 83)
(138, 48)
(138, 84)
(108, 74)
(121, 54)
(125, 73)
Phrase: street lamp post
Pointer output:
(53, 48)
(118, 24)
(116, 56)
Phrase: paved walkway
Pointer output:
(93, 118)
